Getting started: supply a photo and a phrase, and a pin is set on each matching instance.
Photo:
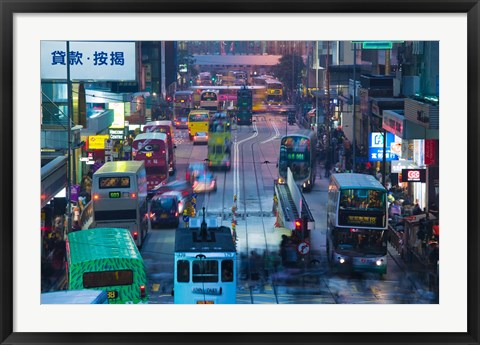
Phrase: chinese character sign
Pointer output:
(88, 60)
(375, 147)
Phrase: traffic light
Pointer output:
(298, 224)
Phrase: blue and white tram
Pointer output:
(205, 264)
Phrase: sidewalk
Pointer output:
(424, 280)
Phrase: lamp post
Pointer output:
(354, 105)
(384, 160)
(69, 140)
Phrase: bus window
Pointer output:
(183, 271)
(227, 270)
(114, 182)
(205, 271)
(107, 278)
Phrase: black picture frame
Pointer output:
(11, 7)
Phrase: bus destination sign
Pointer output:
(360, 219)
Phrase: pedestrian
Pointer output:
(76, 212)
(255, 263)
(283, 248)
(327, 168)
(417, 209)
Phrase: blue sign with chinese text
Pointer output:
(97, 61)
(375, 147)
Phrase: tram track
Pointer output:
(264, 274)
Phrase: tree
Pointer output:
(283, 70)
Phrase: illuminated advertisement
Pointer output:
(118, 115)
(97, 142)
(414, 175)
(375, 147)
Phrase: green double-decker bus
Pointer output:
(107, 259)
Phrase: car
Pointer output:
(194, 169)
(182, 186)
(200, 138)
(164, 209)
(181, 122)
(205, 182)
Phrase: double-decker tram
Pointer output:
(119, 196)
(244, 106)
(182, 103)
(164, 126)
(274, 92)
(297, 152)
(219, 141)
(152, 148)
(209, 100)
(357, 223)
(204, 264)
(204, 78)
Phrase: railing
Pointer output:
(57, 118)
(396, 239)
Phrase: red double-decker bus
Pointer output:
(166, 127)
(152, 148)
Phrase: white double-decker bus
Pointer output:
(119, 195)
(357, 223)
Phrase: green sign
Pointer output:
(377, 45)
(296, 156)
(114, 195)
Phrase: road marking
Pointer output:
(277, 133)
(236, 174)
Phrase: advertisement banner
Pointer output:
(97, 142)
(94, 60)
(375, 147)
(414, 175)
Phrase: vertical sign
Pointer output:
(108, 150)
(430, 152)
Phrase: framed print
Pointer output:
(280, 162)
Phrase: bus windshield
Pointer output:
(198, 117)
(362, 199)
(350, 241)
(209, 96)
(179, 98)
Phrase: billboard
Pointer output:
(99, 61)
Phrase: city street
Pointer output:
(311, 281)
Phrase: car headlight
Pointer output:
(379, 262)
(341, 260)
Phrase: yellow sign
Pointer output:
(362, 220)
(97, 142)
